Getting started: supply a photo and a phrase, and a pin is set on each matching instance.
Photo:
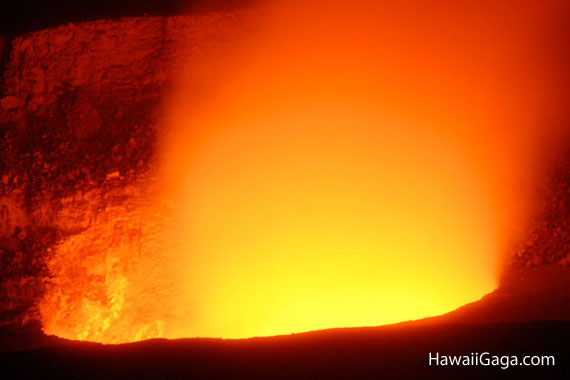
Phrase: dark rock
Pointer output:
(10, 103)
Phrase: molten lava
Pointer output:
(345, 166)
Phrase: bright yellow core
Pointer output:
(330, 216)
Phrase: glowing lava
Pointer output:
(346, 166)
(345, 171)
(331, 217)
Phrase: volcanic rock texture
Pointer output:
(79, 109)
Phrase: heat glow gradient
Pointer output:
(342, 164)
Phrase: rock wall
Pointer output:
(80, 105)
(547, 237)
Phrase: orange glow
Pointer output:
(346, 166)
